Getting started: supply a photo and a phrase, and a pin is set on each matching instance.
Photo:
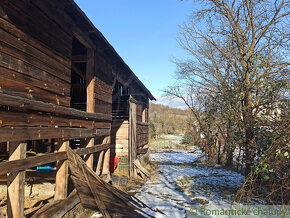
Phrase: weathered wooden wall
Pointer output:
(103, 97)
(29, 68)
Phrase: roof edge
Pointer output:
(96, 31)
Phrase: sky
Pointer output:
(144, 33)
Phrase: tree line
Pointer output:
(166, 120)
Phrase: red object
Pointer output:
(113, 163)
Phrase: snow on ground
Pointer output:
(183, 183)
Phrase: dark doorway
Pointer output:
(78, 76)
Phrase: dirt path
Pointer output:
(184, 182)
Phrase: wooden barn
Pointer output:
(63, 85)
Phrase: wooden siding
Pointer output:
(28, 68)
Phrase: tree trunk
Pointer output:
(249, 133)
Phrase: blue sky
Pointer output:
(144, 33)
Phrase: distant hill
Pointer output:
(166, 120)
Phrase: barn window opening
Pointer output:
(120, 104)
(78, 75)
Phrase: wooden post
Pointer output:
(61, 180)
(91, 80)
(132, 136)
(100, 161)
(89, 158)
(15, 183)
(106, 162)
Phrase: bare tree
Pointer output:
(239, 57)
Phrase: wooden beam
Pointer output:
(15, 184)
(106, 162)
(22, 164)
(79, 58)
(9, 118)
(91, 150)
(61, 179)
(30, 92)
(91, 80)
(132, 135)
(90, 157)
(19, 102)
(37, 133)
(103, 132)
(77, 71)
(100, 161)
(58, 208)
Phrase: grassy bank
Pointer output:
(168, 142)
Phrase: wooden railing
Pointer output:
(29, 162)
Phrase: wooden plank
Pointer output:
(33, 175)
(87, 196)
(29, 162)
(105, 95)
(90, 150)
(31, 92)
(58, 208)
(97, 198)
(15, 184)
(54, 87)
(13, 30)
(38, 73)
(102, 132)
(106, 98)
(61, 179)
(102, 86)
(103, 107)
(141, 168)
(34, 62)
(31, 51)
(37, 133)
(23, 103)
(83, 168)
(90, 79)
(22, 13)
(17, 119)
(79, 58)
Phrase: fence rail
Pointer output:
(29, 162)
